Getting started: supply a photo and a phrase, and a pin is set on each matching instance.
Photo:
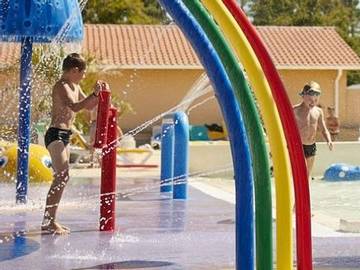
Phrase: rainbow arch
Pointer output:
(210, 41)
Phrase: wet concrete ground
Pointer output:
(153, 232)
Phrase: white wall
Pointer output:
(212, 156)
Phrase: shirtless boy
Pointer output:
(310, 118)
(67, 100)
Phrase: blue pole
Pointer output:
(167, 155)
(245, 243)
(24, 121)
(181, 155)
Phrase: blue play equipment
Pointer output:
(245, 241)
(29, 21)
(199, 133)
(342, 172)
(175, 154)
(167, 155)
(39, 21)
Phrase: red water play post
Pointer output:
(102, 116)
(108, 176)
(106, 139)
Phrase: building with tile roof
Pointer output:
(154, 66)
(165, 47)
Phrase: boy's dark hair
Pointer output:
(74, 60)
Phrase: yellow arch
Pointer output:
(275, 133)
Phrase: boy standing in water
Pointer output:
(309, 118)
(67, 99)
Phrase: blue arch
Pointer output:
(234, 121)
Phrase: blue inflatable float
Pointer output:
(342, 172)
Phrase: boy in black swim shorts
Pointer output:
(55, 134)
(310, 118)
(67, 100)
(309, 150)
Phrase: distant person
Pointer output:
(310, 118)
(67, 100)
(332, 123)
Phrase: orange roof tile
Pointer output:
(164, 46)
(139, 46)
(308, 47)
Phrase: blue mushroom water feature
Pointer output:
(30, 21)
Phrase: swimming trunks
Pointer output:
(309, 150)
(56, 134)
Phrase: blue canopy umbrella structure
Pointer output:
(29, 21)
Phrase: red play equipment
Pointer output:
(102, 116)
(106, 139)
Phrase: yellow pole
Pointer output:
(275, 133)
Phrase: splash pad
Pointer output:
(243, 153)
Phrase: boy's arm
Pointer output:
(93, 102)
(81, 94)
(324, 131)
(69, 101)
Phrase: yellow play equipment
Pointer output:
(39, 163)
(124, 154)
(4, 145)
